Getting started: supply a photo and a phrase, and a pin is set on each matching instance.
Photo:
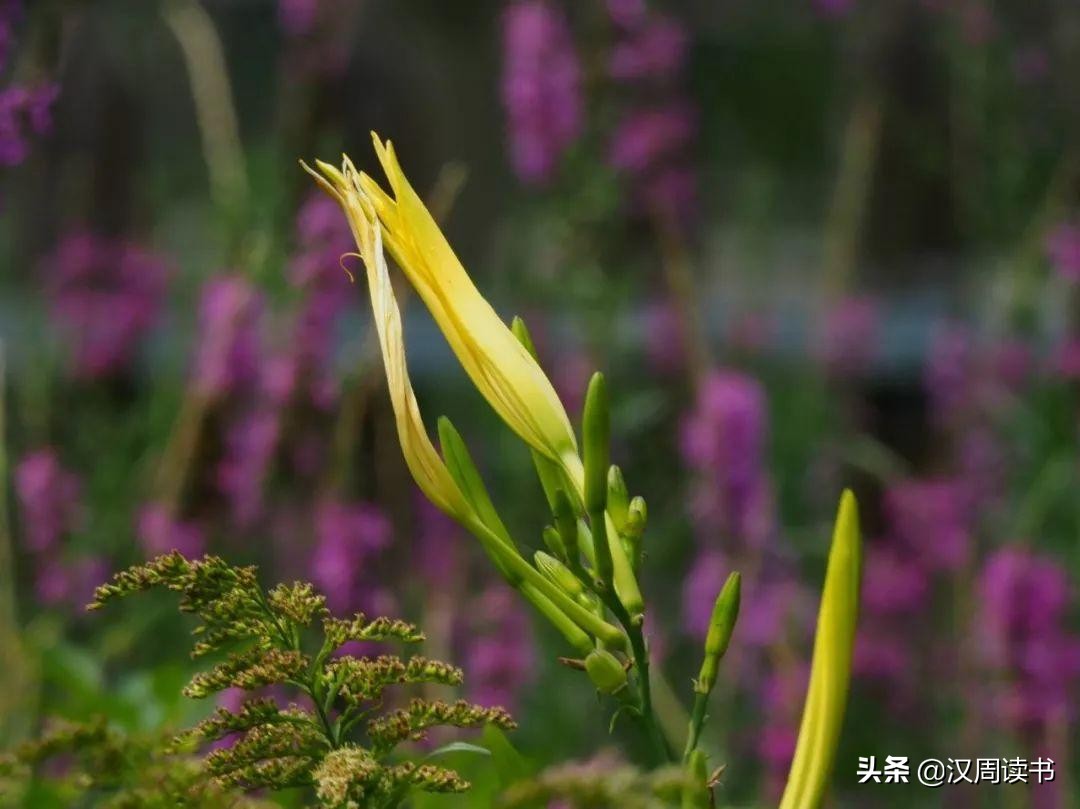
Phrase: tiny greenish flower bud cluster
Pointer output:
(92, 763)
(603, 781)
(336, 738)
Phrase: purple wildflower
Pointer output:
(932, 519)
(105, 296)
(48, 498)
(724, 438)
(645, 137)
(655, 50)
(438, 545)
(323, 237)
(1024, 599)
(700, 589)
(951, 371)
(227, 356)
(500, 656)
(849, 335)
(160, 532)
(70, 583)
(25, 112)
(833, 8)
(540, 88)
(298, 17)
(665, 346)
(1063, 251)
(348, 537)
(250, 445)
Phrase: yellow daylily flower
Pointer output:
(830, 671)
(501, 368)
(424, 462)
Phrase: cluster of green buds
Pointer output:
(586, 583)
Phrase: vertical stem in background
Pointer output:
(675, 262)
(843, 229)
(212, 95)
(16, 682)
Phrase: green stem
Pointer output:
(697, 719)
(648, 718)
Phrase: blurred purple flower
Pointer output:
(48, 498)
(323, 237)
(1065, 362)
(250, 444)
(893, 583)
(25, 112)
(228, 351)
(656, 50)
(1063, 251)
(724, 439)
(348, 537)
(297, 17)
(61, 582)
(933, 520)
(663, 333)
(833, 8)
(1024, 599)
(541, 90)
(1031, 63)
(645, 137)
(10, 12)
(105, 296)
(849, 336)
(500, 657)
(570, 376)
(628, 14)
(159, 532)
(438, 545)
(700, 588)
(950, 373)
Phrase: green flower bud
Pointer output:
(596, 440)
(554, 542)
(725, 612)
(618, 498)
(605, 671)
(521, 332)
(559, 573)
(636, 517)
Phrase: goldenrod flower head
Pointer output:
(826, 698)
(500, 367)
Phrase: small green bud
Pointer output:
(724, 614)
(559, 573)
(636, 517)
(553, 541)
(618, 498)
(605, 671)
(521, 332)
(596, 440)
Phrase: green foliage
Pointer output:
(333, 739)
(90, 762)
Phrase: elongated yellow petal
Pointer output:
(423, 460)
(500, 367)
(830, 672)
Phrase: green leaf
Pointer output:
(458, 747)
(510, 765)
